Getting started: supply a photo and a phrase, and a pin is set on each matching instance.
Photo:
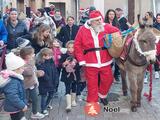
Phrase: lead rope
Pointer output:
(149, 96)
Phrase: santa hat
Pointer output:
(94, 15)
(13, 62)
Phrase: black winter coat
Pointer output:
(64, 35)
(123, 24)
(48, 82)
(64, 74)
(14, 32)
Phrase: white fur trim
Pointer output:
(96, 44)
(99, 65)
(91, 19)
(82, 63)
(86, 25)
(102, 96)
(4, 81)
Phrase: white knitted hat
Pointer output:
(14, 62)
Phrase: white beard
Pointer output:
(98, 28)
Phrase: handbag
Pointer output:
(114, 43)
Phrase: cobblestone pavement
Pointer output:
(148, 111)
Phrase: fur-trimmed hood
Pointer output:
(5, 77)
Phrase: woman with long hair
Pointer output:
(111, 18)
(41, 38)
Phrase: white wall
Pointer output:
(112, 4)
(99, 4)
(157, 6)
(86, 3)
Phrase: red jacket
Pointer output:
(86, 39)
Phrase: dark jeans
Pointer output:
(156, 66)
(57, 82)
(80, 87)
(17, 116)
(32, 94)
(46, 99)
(116, 71)
(70, 87)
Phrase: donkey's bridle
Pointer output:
(139, 50)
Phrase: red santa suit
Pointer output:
(96, 61)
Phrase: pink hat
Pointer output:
(51, 13)
(94, 15)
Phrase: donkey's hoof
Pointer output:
(134, 109)
(125, 93)
(138, 104)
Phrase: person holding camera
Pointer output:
(70, 74)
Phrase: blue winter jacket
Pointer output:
(14, 95)
(3, 32)
(157, 26)
(48, 82)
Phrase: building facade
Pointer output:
(71, 7)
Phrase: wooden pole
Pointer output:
(131, 9)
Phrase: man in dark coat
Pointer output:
(68, 32)
(124, 24)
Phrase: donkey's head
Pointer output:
(145, 39)
(146, 42)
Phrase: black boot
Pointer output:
(104, 101)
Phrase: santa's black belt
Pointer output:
(93, 49)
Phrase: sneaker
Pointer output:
(45, 112)
(50, 107)
(156, 75)
(145, 80)
(104, 101)
(37, 116)
(23, 118)
(146, 77)
(79, 98)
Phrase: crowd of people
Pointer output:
(47, 48)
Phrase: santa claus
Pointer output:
(91, 53)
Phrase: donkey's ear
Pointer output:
(142, 26)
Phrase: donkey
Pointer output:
(141, 53)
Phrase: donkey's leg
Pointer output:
(124, 82)
(140, 79)
(133, 90)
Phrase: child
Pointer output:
(44, 61)
(30, 79)
(70, 75)
(56, 49)
(12, 86)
